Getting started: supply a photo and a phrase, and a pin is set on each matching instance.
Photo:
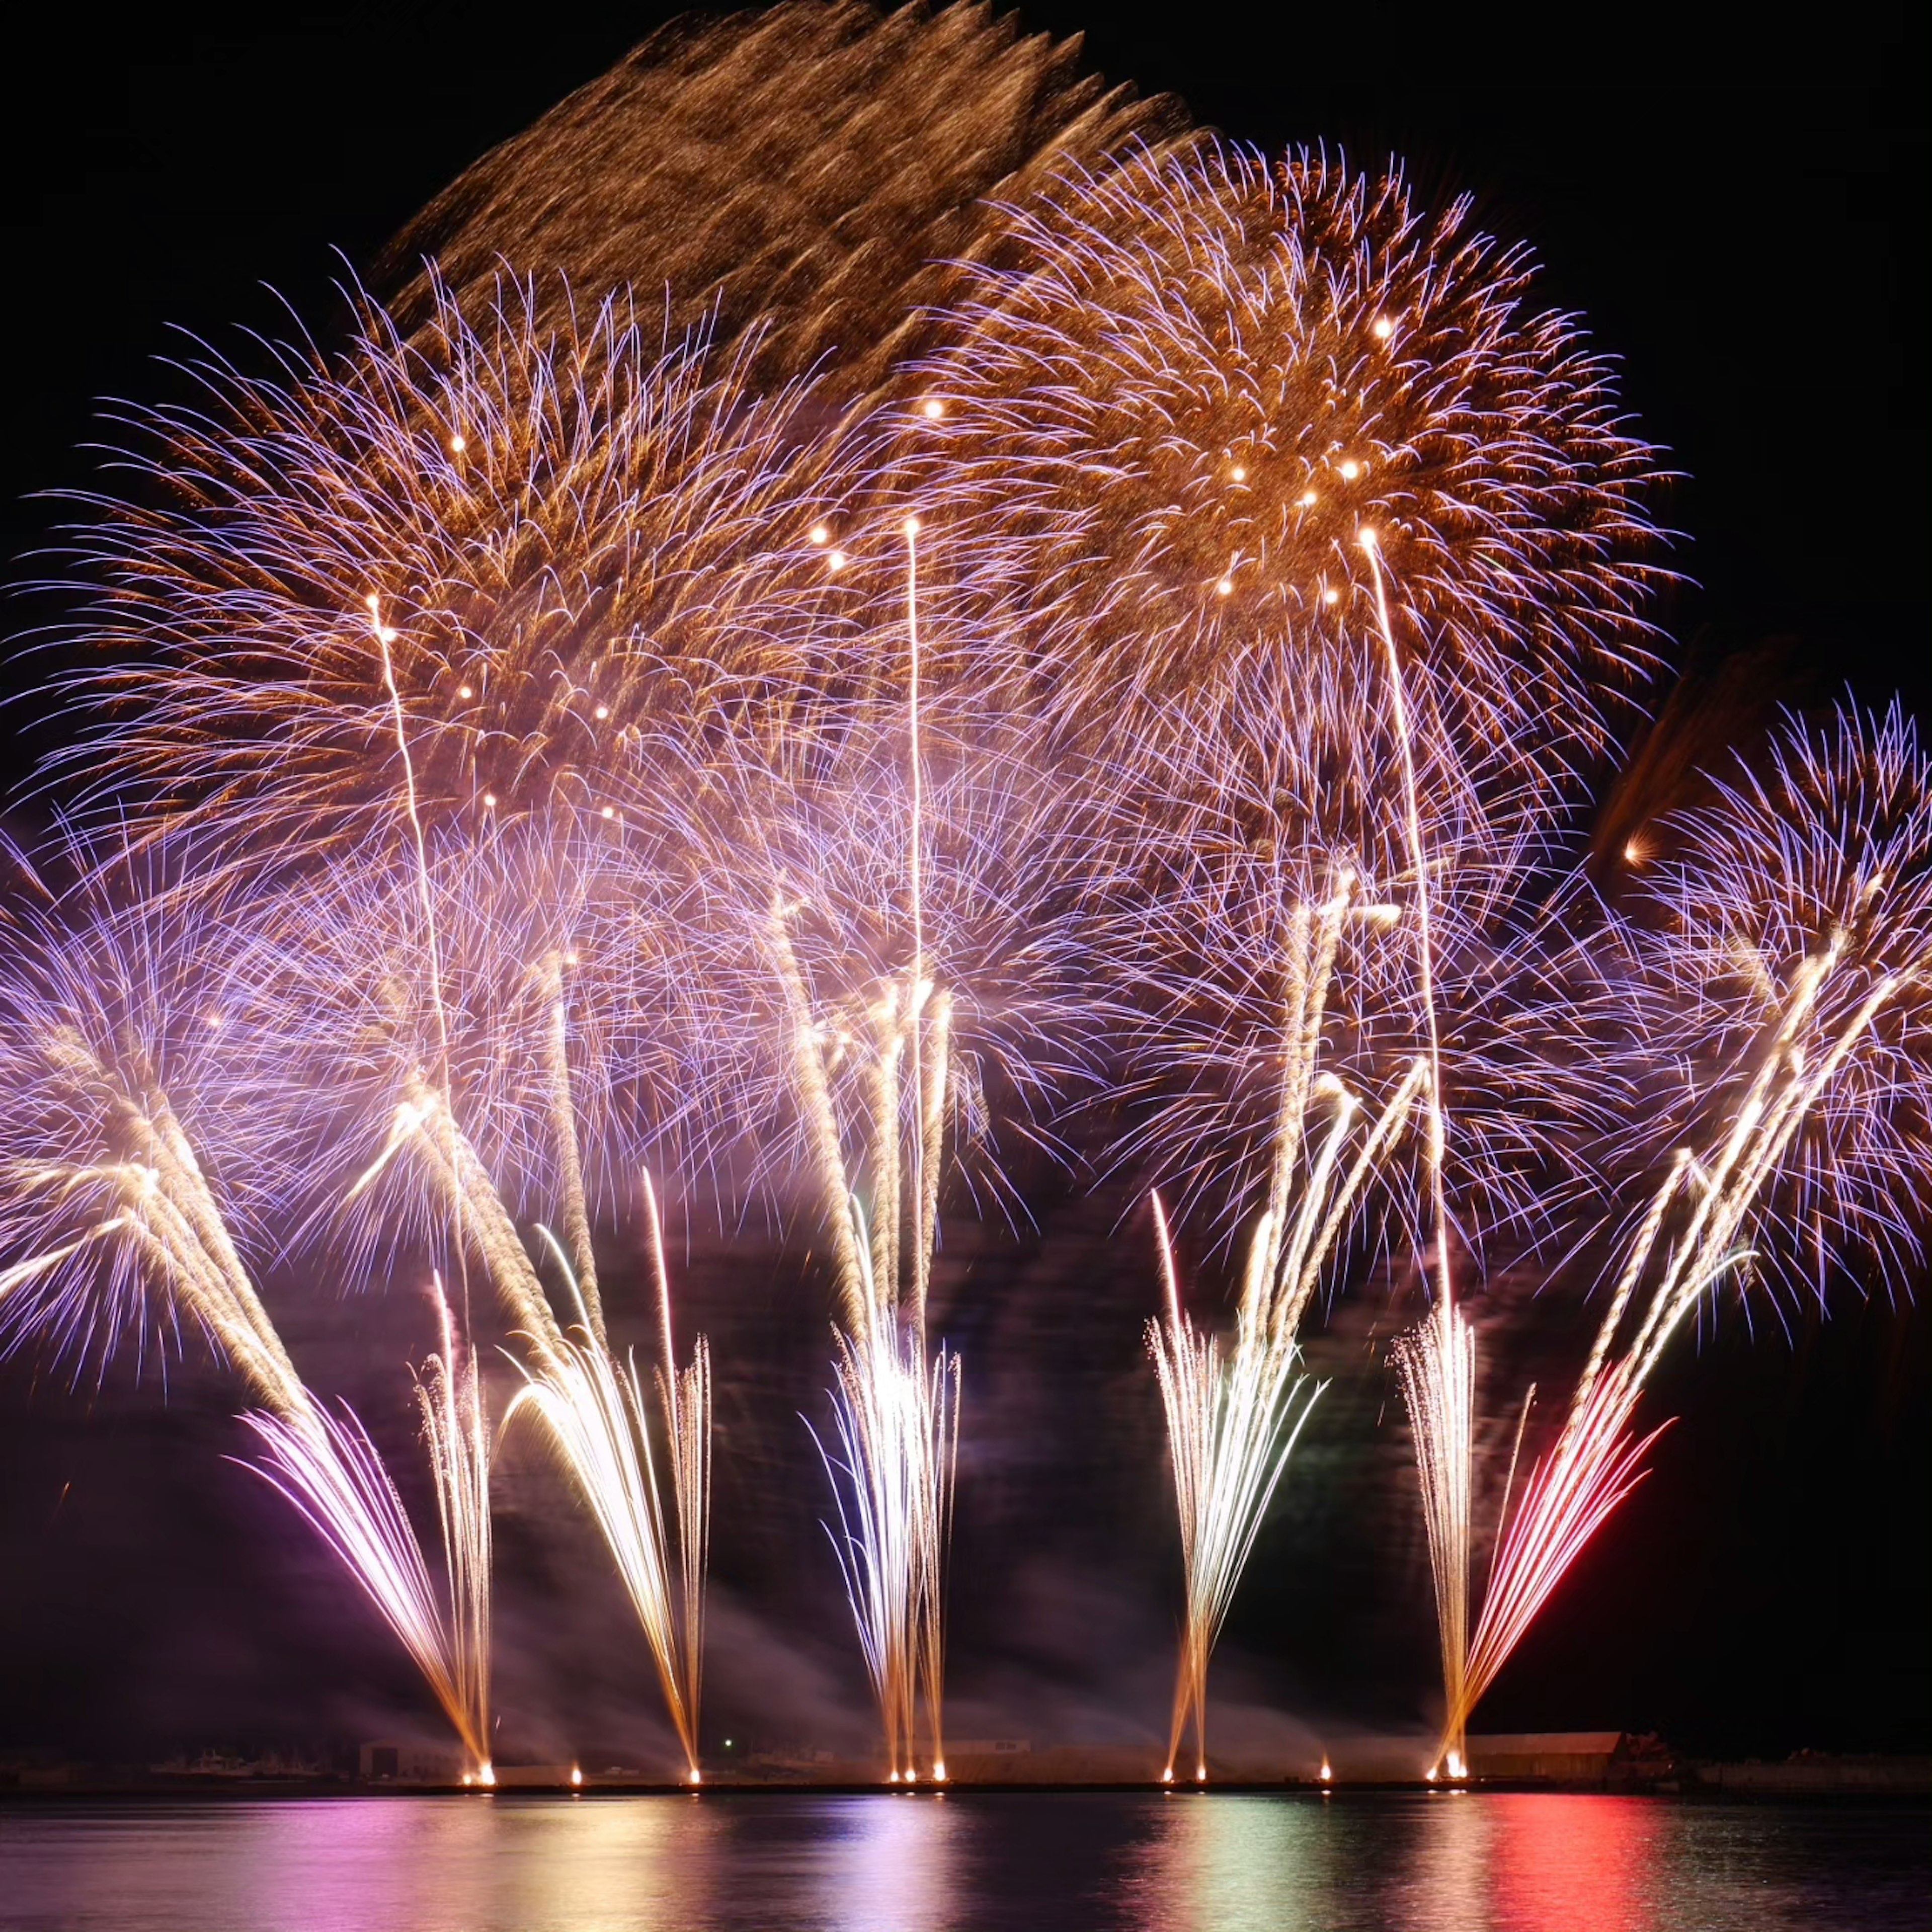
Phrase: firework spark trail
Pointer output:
(595, 1412)
(1813, 893)
(90, 1128)
(1436, 1364)
(1232, 1425)
(895, 1402)
(327, 1467)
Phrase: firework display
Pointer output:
(1015, 625)
(813, 175)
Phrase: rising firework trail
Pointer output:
(595, 1411)
(896, 1400)
(1233, 1422)
(1437, 1363)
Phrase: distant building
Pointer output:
(1563, 1757)
(383, 1763)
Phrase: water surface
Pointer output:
(797, 1862)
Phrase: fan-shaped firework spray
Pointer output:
(1231, 1426)
(344, 971)
(97, 1174)
(1794, 952)
(594, 1410)
(896, 1405)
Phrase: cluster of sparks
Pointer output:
(532, 747)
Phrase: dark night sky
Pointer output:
(1740, 209)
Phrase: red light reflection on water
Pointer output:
(1558, 1862)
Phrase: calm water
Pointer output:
(797, 1863)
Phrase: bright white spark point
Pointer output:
(1226, 587)
(465, 691)
(911, 526)
(457, 445)
(602, 711)
(1384, 329)
(1350, 470)
(1331, 596)
(836, 561)
(489, 798)
(608, 811)
(1240, 473)
(819, 534)
(933, 408)
(1307, 499)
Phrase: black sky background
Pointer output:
(1739, 208)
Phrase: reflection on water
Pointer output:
(1555, 1857)
(890, 1863)
(1234, 1862)
(1231, 1864)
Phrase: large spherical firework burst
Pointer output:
(808, 170)
(485, 565)
(1199, 382)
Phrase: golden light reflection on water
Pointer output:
(1233, 1863)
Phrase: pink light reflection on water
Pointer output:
(892, 1865)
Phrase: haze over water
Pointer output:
(1111, 1862)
